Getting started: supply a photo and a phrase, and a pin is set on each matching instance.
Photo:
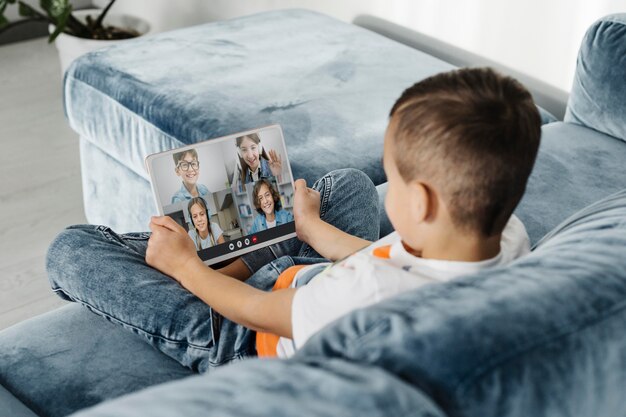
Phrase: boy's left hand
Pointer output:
(170, 250)
(306, 211)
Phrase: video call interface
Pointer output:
(229, 194)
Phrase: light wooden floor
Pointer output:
(40, 189)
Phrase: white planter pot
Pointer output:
(70, 47)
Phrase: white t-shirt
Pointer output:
(366, 278)
(270, 224)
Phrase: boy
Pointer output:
(458, 151)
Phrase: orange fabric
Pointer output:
(266, 343)
(383, 252)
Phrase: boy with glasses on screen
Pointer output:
(187, 167)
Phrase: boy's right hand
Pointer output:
(306, 210)
(170, 250)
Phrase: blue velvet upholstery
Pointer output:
(575, 167)
(597, 99)
(66, 360)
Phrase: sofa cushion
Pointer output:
(70, 358)
(575, 167)
(543, 336)
(597, 96)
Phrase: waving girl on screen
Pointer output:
(204, 233)
(267, 204)
(187, 167)
(254, 161)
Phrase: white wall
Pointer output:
(537, 37)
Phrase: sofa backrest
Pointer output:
(598, 96)
(576, 166)
(543, 336)
(584, 159)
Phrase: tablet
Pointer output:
(232, 194)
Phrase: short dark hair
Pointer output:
(275, 195)
(473, 134)
(178, 156)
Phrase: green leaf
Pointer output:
(55, 8)
(61, 23)
(3, 5)
(27, 11)
(60, 7)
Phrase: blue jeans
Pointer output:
(108, 274)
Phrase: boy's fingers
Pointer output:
(165, 221)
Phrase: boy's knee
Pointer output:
(350, 177)
(61, 256)
(355, 180)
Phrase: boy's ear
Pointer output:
(424, 202)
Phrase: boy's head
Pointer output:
(187, 167)
(464, 142)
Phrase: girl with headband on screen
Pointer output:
(254, 161)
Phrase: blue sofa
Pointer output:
(543, 337)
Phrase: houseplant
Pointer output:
(59, 14)
(75, 32)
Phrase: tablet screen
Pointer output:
(232, 194)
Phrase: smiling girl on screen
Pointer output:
(267, 204)
(255, 162)
(202, 235)
(187, 167)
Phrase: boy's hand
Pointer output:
(170, 250)
(306, 210)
